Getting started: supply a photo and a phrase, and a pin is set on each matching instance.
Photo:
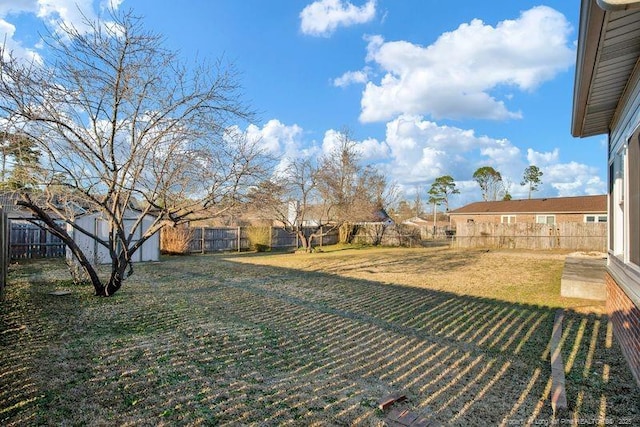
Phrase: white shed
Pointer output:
(98, 254)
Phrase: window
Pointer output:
(595, 218)
(546, 219)
(624, 202)
(508, 219)
(616, 203)
(633, 197)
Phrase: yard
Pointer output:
(319, 339)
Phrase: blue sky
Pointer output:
(426, 87)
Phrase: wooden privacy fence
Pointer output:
(205, 239)
(4, 251)
(214, 239)
(30, 241)
(568, 235)
(387, 235)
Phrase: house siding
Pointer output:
(625, 317)
(604, 40)
(623, 284)
(520, 217)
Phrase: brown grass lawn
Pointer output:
(316, 339)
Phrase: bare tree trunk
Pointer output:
(60, 232)
(306, 244)
(118, 274)
(310, 243)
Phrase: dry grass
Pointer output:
(307, 339)
(514, 276)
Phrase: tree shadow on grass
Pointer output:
(210, 341)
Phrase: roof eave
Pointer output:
(594, 17)
(618, 4)
(591, 24)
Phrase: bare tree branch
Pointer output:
(123, 126)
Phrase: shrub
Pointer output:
(259, 238)
(175, 240)
(348, 232)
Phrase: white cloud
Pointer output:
(370, 149)
(351, 77)
(331, 141)
(502, 152)
(422, 150)
(570, 179)
(110, 4)
(282, 142)
(455, 76)
(7, 31)
(323, 17)
(415, 151)
(66, 12)
(54, 13)
(542, 159)
(277, 139)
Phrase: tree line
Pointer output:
(491, 184)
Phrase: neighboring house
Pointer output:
(428, 229)
(377, 217)
(98, 254)
(416, 221)
(606, 101)
(551, 210)
(316, 215)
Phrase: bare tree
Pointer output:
(290, 197)
(124, 127)
(312, 198)
(338, 174)
(417, 203)
(352, 193)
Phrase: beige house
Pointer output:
(606, 101)
(552, 210)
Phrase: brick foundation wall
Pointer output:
(626, 324)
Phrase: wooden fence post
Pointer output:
(271, 237)
(239, 234)
(4, 255)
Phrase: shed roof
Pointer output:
(577, 204)
(608, 50)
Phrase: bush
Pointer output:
(175, 240)
(259, 238)
(347, 232)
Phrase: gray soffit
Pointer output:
(608, 51)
